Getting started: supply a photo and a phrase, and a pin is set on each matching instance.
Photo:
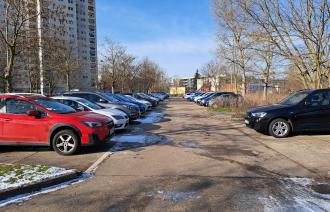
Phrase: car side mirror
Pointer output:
(80, 108)
(34, 113)
(308, 103)
(102, 101)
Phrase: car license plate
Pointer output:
(247, 122)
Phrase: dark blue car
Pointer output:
(122, 98)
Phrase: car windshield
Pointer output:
(54, 106)
(109, 97)
(130, 97)
(90, 104)
(123, 98)
(295, 98)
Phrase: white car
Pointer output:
(119, 118)
(187, 95)
(149, 105)
(202, 96)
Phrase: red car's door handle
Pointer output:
(5, 119)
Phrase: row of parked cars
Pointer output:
(210, 99)
(71, 120)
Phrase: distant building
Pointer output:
(79, 22)
(177, 91)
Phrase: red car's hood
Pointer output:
(90, 116)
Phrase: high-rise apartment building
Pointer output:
(77, 19)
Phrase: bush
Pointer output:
(249, 101)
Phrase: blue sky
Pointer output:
(177, 34)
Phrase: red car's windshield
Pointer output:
(54, 106)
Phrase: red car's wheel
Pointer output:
(65, 142)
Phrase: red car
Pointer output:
(37, 120)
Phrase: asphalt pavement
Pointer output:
(192, 160)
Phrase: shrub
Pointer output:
(249, 101)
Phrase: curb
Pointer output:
(36, 186)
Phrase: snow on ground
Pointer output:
(13, 176)
(24, 197)
(151, 118)
(130, 141)
(306, 198)
(297, 196)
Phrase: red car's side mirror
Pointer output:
(34, 113)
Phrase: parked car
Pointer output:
(192, 97)
(306, 110)
(217, 96)
(161, 96)
(106, 101)
(198, 100)
(120, 98)
(150, 96)
(165, 95)
(37, 120)
(119, 118)
(225, 100)
(147, 103)
(139, 96)
(187, 95)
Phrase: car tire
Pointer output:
(279, 128)
(65, 142)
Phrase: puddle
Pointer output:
(321, 188)
(174, 196)
(190, 144)
(125, 142)
(150, 118)
(137, 130)
(303, 198)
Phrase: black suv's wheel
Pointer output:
(279, 128)
(65, 142)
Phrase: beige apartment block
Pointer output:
(77, 20)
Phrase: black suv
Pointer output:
(306, 110)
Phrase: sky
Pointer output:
(179, 35)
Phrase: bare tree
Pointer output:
(12, 33)
(121, 72)
(234, 40)
(299, 30)
(214, 71)
(113, 59)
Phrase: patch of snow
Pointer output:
(21, 175)
(305, 197)
(124, 142)
(190, 144)
(151, 118)
(301, 181)
(177, 196)
(131, 139)
(298, 196)
(270, 203)
(24, 197)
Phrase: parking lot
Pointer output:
(199, 161)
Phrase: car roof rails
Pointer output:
(24, 94)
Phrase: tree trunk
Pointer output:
(10, 66)
(68, 86)
(243, 83)
(113, 88)
(265, 91)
